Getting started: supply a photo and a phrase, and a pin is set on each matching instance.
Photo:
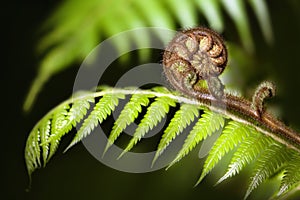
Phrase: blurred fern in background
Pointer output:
(76, 27)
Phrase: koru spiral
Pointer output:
(195, 55)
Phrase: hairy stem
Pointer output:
(234, 107)
(241, 110)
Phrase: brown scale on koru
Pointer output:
(193, 55)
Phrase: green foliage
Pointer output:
(75, 114)
(232, 135)
(182, 118)
(268, 157)
(155, 113)
(129, 113)
(100, 112)
(84, 24)
(267, 164)
(206, 125)
(246, 153)
(291, 177)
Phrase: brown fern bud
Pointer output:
(193, 55)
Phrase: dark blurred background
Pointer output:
(76, 174)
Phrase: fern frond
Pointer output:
(268, 163)
(100, 112)
(269, 155)
(232, 135)
(246, 153)
(155, 113)
(182, 118)
(206, 125)
(291, 177)
(129, 113)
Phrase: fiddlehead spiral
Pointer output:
(194, 55)
(266, 89)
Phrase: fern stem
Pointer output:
(234, 107)
(241, 110)
(237, 108)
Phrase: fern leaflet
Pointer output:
(206, 125)
(32, 151)
(75, 115)
(102, 109)
(155, 113)
(129, 113)
(181, 120)
(232, 135)
(246, 153)
(268, 164)
(291, 177)
(58, 123)
(44, 134)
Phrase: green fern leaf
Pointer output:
(272, 159)
(162, 19)
(37, 142)
(291, 177)
(58, 122)
(232, 135)
(206, 125)
(129, 113)
(44, 134)
(212, 11)
(76, 113)
(268, 155)
(180, 121)
(246, 153)
(32, 151)
(236, 10)
(189, 18)
(100, 112)
(261, 12)
(155, 113)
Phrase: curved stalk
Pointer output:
(234, 107)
